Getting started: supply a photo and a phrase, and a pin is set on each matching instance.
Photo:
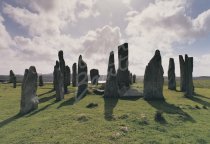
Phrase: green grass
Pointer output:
(113, 121)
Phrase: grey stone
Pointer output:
(63, 70)
(182, 73)
(82, 79)
(41, 83)
(59, 87)
(153, 79)
(123, 75)
(171, 75)
(14, 82)
(131, 78)
(74, 75)
(68, 75)
(134, 78)
(29, 100)
(54, 73)
(94, 76)
(111, 88)
(189, 78)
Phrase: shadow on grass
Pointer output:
(11, 119)
(200, 101)
(45, 99)
(109, 105)
(50, 91)
(201, 96)
(69, 102)
(170, 109)
(42, 109)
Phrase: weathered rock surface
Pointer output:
(63, 70)
(29, 100)
(153, 79)
(171, 75)
(189, 78)
(111, 88)
(94, 76)
(68, 75)
(41, 83)
(182, 73)
(123, 74)
(74, 75)
(82, 79)
(11, 76)
(59, 87)
(134, 78)
(54, 74)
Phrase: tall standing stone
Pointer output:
(131, 78)
(29, 100)
(134, 78)
(54, 74)
(74, 75)
(59, 87)
(189, 78)
(94, 76)
(82, 79)
(123, 74)
(153, 79)
(182, 73)
(41, 83)
(63, 70)
(11, 76)
(171, 75)
(14, 82)
(111, 89)
(68, 75)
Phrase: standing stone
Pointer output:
(182, 73)
(29, 100)
(54, 74)
(82, 79)
(134, 78)
(68, 75)
(189, 78)
(41, 81)
(74, 75)
(131, 78)
(59, 87)
(171, 75)
(14, 82)
(111, 88)
(123, 75)
(153, 79)
(63, 70)
(94, 76)
(11, 76)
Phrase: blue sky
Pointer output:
(33, 31)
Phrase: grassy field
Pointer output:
(113, 121)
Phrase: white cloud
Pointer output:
(5, 38)
(160, 26)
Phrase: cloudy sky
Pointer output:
(33, 31)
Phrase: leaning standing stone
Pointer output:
(171, 75)
(111, 88)
(29, 100)
(82, 79)
(153, 79)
